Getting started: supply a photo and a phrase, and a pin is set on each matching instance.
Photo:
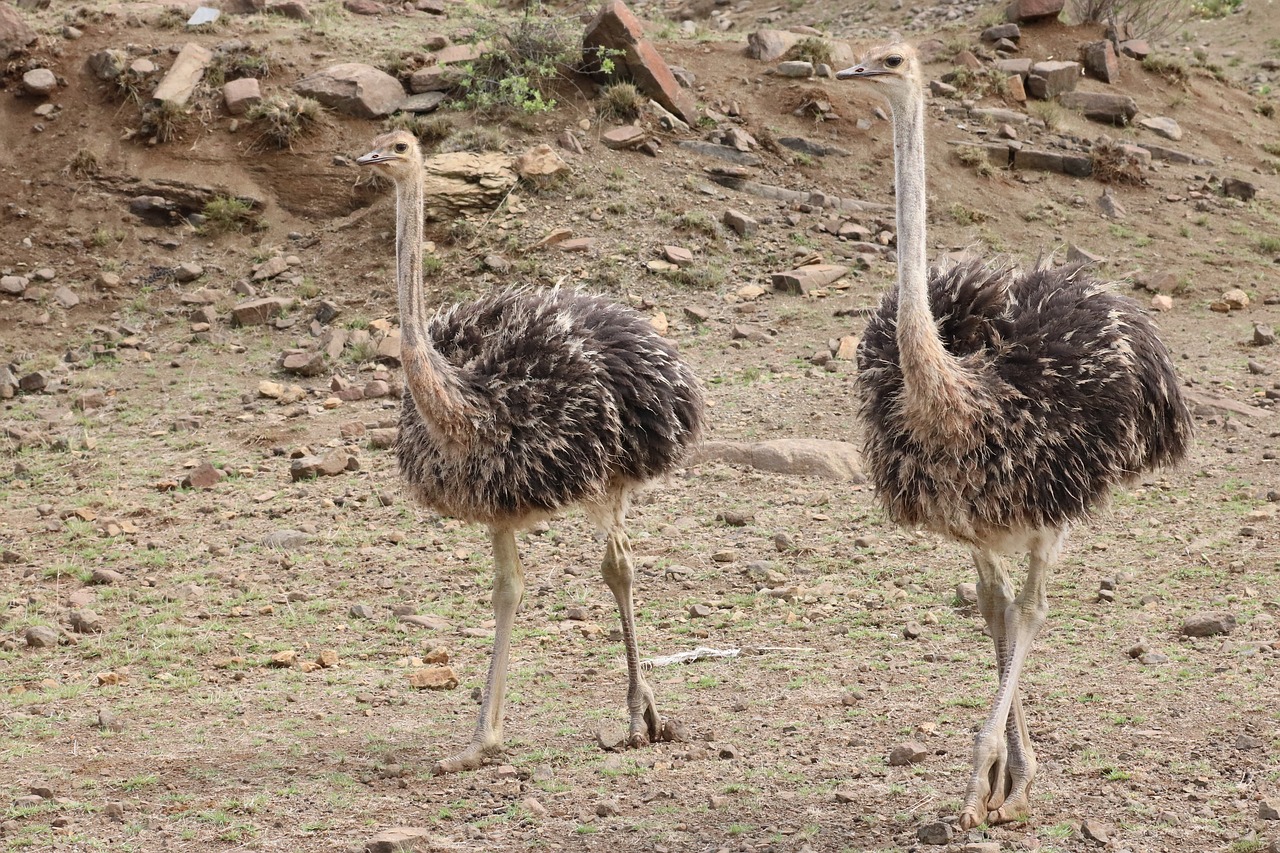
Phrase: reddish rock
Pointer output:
(15, 35)
(627, 136)
(354, 88)
(180, 82)
(436, 78)
(256, 312)
(203, 476)
(295, 9)
(807, 278)
(1016, 90)
(1136, 49)
(1032, 10)
(364, 7)
(241, 94)
(615, 28)
(460, 53)
(1100, 61)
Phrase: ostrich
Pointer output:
(999, 408)
(523, 403)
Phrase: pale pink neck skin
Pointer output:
(432, 381)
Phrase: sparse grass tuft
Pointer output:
(480, 138)
(82, 164)
(1049, 112)
(1173, 69)
(975, 158)
(620, 101)
(430, 130)
(239, 62)
(811, 49)
(286, 118)
(162, 122)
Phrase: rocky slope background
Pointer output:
(224, 626)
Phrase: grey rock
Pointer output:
(1052, 78)
(1101, 106)
(814, 149)
(360, 611)
(40, 82)
(795, 68)
(935, 834)
(1209, 624)
(1161, 126)
(355, 89)
(1100, 61)
(107, 64)
(809, 457)
(286, 540)
(239, 95)
(1263, 335)
(179, 84)
(1002, 31)
(86, 622)
(41, 637)
(910, 752)
(722, 152)
(1238, 188)
(13, 285)
(740, 223)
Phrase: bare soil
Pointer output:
(217, 749)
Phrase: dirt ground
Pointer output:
(170, 728)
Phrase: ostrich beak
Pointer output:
(858, 72)
(373, 158)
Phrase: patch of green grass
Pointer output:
(1172, 68)
(478, 139)
(620, 101)
(227, 214)
(430, 130)
(522, 67)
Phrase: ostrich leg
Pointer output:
(1004, 762)
(618, 572)
(508, 589)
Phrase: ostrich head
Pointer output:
(395, 154)
(894, 69)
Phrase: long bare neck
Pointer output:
(937, 388)
(433, 383)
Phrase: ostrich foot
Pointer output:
(988, 786)
(1000, 795)
(646, 723)
(471, 758)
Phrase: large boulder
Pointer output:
(355, 89)
(15, 35)
(1100, 61)
(1020, 11)
(615, 28)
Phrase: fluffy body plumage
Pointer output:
(520, 404)
(1074, 394)
(574, 395)
(998, 408)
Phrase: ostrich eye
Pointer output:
(401, 147)
(893, 61)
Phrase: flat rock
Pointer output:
(434, 78)
(286, 540)
(935, 833)
(355, 89)
(1049, 79)
(625, 137)
(721, 152)
(257, 312)
(1209, 624)
(306, 363)
(433, 678)
(400, 839)
(804, 279)
(809, 457)
(1012, 32)
(423, 102)
(795, 68)
(1161, 126)
(1101, 106)
(1020, 11)
(814, 149)
(179, 84)
(740, 223)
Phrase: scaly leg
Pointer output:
(1002, 751)
(646, 724)
(508, 589)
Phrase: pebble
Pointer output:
(1208, 624)
(936, 833)
(41, 637)
(434, 678)
(608, 808)
(1095, 831)
(910, 752)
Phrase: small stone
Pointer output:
(106, 577)
(936, 833)
(967, 593)
(1209, 624)
(327, 658)
(400, 839)
(189, 271)
(678, 255)
(360, 611)
(611, 737)
(740, 223)
(534, 806)
(699, 611)
(1247, 741)
(1161, 302)
(1236, 299)
(41, 637)
(40, 82)
(86, 622)
(906, 753)
(285, 658)
(108, 721)
(795, 68)
(608, 808)
(1263, 335)
(621, 138)
(1267, 811)
(1160, 125)
(203, 476)
(1094, 831)
(434, 678)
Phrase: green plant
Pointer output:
(224, 214)
(522, 66)
(235, 63)
(1215, 8)
(620, 101)
(285, 118)
(1049, 112)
